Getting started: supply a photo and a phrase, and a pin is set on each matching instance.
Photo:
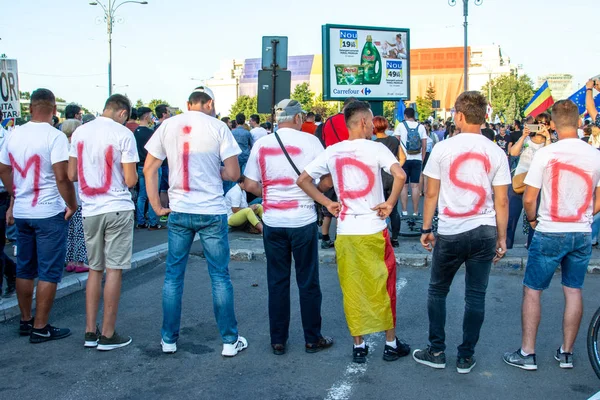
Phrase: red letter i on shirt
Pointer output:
(186, 166)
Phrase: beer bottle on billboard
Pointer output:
(371, 61)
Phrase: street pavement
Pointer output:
(65, 370)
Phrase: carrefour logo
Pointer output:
(348, 35)
(346, 92)
(366, 91)
(390, 64)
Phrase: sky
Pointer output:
(160, 49)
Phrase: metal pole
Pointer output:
(466, 59)
(109, 19)
(274, 67)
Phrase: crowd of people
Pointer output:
(209, 175)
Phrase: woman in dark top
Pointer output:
(380, 127)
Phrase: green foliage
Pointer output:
(430, 93)
(304, 95)
(60, 100)
(248, 106)
(512, 111)
(389, 111)
(139, 103)
(504, 88)
(424, 108)
(156, 102)
(25, 95)
(325, 108)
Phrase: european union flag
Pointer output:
(579, 99)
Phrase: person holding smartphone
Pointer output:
(525, 148)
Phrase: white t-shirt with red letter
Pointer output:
(31, 150)
(285, 205)
(468, 166)
(195, 145)
(568, 173)
(355, 166)
(101, 147)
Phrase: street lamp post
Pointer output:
(109, 17)
(452, 3)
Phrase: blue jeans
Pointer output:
(42, 248)
(213, 236)
(476, 249)
(572, 251)
(143, 198)
(595, 228)
(515, 207)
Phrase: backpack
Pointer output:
(413, 139)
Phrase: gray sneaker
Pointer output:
(91, 338)
(465, 365)
(565, 359)
(426, 357)
(516, 359)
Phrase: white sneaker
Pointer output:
(231, 350)
(168, 347)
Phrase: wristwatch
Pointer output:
(426, 231)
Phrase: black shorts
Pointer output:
(412, 168)
(425, 160)
(330, 194)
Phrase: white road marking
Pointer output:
(595, 397)
(342, 389)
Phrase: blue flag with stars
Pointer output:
(579, 99)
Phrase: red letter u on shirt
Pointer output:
(108, 166)
(36, 162)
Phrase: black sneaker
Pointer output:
(516, 359)
(392, 354)
(91, 338)
(47, 333)
(395, 243)
(9, 291)
(565, 359)
(25, 327)
(426, 357)
(326, 244)
(465, 365)
(114, 342)
(359, 354)
(141, 226)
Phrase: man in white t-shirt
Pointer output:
(239, 214)
(469, 175)
(33, 169)
(257, 131)
(290, 227)
(196, 143)
(413, 139)
(365, 257)
(103, 160)
(8, 268)
(568, 175)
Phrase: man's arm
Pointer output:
(589, 100)
(7, 178)
(231, 170)
(253, 187)
(325, 183)
(385, 209)
(151, 167)
(530, 203)
(597, 201)
(431, 200)
(401, 156)
(73, 175)
(501, 207)
(305, 182)
(423, 149)
(65, 187)
(130, 172)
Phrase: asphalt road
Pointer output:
(65, 370)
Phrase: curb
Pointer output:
(9, 308)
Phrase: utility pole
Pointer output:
(452, 3)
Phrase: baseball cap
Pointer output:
(204, 89)
(288, 108)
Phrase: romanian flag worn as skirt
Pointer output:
(367, 272)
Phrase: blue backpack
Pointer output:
(413, 139)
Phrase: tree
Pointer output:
(25, 95)
(424, 108)
(156, 102)
(512, 111)
(247, 105)
(303, 94)
(430, 93)
(325, 108)
(503, 89)
(139, 103)
(60, 100)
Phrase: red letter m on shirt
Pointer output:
(36, 162)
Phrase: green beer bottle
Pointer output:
(371, 61)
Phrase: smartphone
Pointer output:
(533, 128)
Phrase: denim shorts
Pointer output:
(572, 251)
(412, 168)
(42, 248)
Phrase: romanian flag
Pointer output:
(540, 102)
(7, 123)
(367, 273)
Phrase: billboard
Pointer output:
(368, 63)
(9, 89)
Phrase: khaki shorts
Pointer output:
(109, 240)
